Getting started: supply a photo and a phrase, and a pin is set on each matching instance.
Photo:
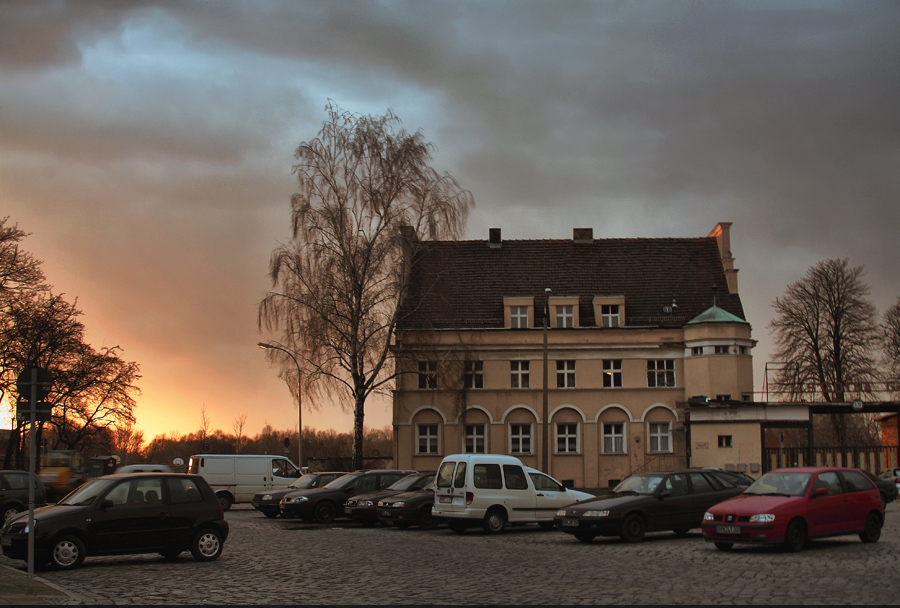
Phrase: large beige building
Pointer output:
(578, 356)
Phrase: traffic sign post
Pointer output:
(35, 382)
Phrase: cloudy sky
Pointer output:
(147, 149)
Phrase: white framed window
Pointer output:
(613, 437)
(722, 349)
(427, 439)
(475, 439)
(609, 315)
(724, 441)
(660, 437)
(518, 374)
(427, 374)
(612, 373)
(696, 350)
(567, 438)
(474, 374)
(565, 316)
(660, 373)
(518, 317)
(520, 439)
(565, 374)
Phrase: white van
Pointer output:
(235, 478)
(492, 490)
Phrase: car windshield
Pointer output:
(780, 483)
(408, 482)
(303, 482)
(341, 481)
(85, 494)
(639, 484)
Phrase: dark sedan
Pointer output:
(163, 513)
(409, 509)
(362, 508)
(886, 487)
(268, 503)
(322, 505)
(647, 502)
(14, 493)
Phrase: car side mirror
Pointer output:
(106, 504)
(820, 492)
(664, 494)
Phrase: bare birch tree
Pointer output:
(367, 194)
(892, 342)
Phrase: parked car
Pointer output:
(164, 513)
(362, 508)
(323, 504)
(409, 509)
(144, 468)
(269, 502)
(648, 502)
(491, 490)
(893, 474)
(237, 478)
(886, 487)
(790, 506)
(14, 493)
(741, 479)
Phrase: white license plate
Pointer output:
(348, 510)
(446, 499)
(570, 522)
(728, 530)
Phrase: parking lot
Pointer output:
(275, 561)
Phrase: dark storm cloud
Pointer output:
(168, 128)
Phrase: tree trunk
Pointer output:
(358, 416)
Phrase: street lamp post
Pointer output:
(266, 345)
(545, 409)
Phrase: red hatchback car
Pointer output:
(790, 506)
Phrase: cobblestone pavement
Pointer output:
(289, 562)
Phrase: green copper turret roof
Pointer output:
(715, 314)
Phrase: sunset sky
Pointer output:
(147, 149)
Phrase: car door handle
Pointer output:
(539, 494)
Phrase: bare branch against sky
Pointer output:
(146, 147)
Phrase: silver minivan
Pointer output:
(493, 490)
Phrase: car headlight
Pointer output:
(709, 516)
(596, 513)
(399, 503)
(267, 497)
(762, 517)
(561, 513)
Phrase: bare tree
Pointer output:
(205, 423)
(238, 426)
(18, 268)
(367, 193)
(892, 342)
(826, 331)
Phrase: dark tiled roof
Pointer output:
(461, 284)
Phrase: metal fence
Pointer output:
(872, 458)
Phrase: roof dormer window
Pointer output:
(609, 311)
(518, 312)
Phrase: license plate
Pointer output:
(384, 513)
(446, 499)
(570, 522)
(348, 510)
(728, 530)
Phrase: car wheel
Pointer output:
(872, 532)
(457, 526)
(207, 545)
(425, 520)
(325, 513)
(585, 536)
(9, 511)
(795, 536)
(224, 500)
(67, 552)
(633, 529)
(724, 546)
(494, 521)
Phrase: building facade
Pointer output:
(578, 356)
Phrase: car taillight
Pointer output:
(469, 498)
(221, 511)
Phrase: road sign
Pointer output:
(37, 377)
(42, 411)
